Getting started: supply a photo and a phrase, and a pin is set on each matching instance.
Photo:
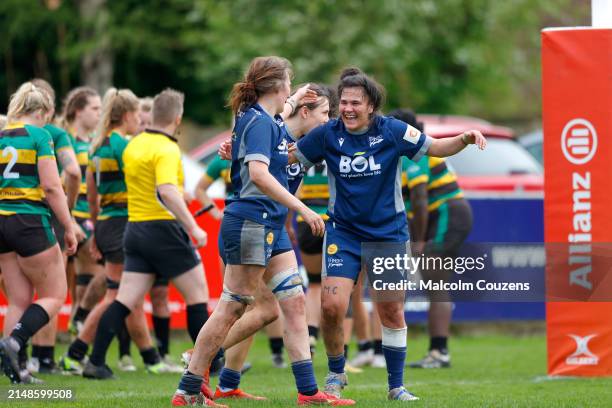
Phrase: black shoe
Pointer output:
(9, 360)
(97, 372)
(48, 367)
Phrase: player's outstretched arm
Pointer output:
(453, 145)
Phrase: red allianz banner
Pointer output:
(210, 261)
(577, 105)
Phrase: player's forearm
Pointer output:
(92, 197)
(447, 146)
(56, 198)
(173, 201)
(73, 183)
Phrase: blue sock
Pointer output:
(304, 377)
(336, 363)
(229, 379)
(190, 383)
(395, 358)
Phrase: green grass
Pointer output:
(488, 371)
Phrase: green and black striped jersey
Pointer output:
(81, 149)
(106, 163)
(21, 147)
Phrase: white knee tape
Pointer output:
(286, 284)
(394, 337)
(230, 296)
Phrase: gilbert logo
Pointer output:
(579, 141)
(582, 355)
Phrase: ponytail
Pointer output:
(115, 104)
(28, 99)
(265, 75)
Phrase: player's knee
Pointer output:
(331, 310)
(233, 297)
(392, 316)
(270, 313)
(287, 284)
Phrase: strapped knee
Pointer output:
(230, 296)
(83, 280)
(112, 284)
(286, 284)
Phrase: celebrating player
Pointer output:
(362, 150)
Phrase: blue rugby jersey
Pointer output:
(260, 137)
(365, 174)
(295, 171)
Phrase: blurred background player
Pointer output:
(80, 116)
(440, 221)
(43, 342)
(30, 259)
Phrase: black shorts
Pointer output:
(109, 238)
(58, 229)
(26, 234)
(308, 243)
(160, 247)
(447, 227)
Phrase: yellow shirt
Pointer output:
(151, 159)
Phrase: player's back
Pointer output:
(107, 164)
(20, 191)
(150, 159)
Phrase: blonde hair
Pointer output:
(2, 121)
(167, 106)
(146, 104)
(115, 104)
(28, 99)
(45, 86)
(76, 100)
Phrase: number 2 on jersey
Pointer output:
(8, 174)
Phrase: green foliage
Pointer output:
(477, 57)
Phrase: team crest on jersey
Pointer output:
(412, 135)
(374, 140)
(270, 238)
(341, 141)
(332, 249)
(283, 147)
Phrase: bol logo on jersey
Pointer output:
(358, 164)
(579, 141)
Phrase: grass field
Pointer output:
(488, 371)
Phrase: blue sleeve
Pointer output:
(258, 142)
(411, 142)
(311, 148)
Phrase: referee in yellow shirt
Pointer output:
(156, 243)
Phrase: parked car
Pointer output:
(534, 143)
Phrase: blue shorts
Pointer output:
(245, 242)
(342, 252)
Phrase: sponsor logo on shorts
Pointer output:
(270, 238)
(332, 249)
(334, 263)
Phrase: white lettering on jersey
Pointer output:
(375, 140)
(412, 135)
(358, 164)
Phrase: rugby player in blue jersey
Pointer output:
(252, 229)
(362, 150)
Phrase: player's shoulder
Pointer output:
(37, 133)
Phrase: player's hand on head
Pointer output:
(225, 150)
(304, 95)
(476, 138)
(199, 236)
